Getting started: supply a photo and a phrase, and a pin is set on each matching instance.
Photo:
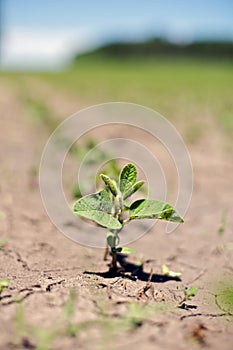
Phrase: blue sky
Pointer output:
(37, 32)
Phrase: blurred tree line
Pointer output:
(162, 48)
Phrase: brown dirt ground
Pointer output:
(43, 266)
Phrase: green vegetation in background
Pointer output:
(184, 90)
(224, 297)
(222, 291)
(39, 110)
(156, 48)
(97, 156)
(181, 89)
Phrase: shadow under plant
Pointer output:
(134, 272)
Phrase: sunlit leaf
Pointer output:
(167, 272)
(131, 190)
(192, 292)
(97, 207)
(111, 185)
(153, 209)
(128, 178)
(125, 250)
(3, 284)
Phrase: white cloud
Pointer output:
(43, 49)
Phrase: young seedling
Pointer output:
(221, 231)
(110, 208)
(2, 244)
(3, 284)
(69, 309)
(189, 293)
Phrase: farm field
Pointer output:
(60, 295)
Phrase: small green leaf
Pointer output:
(126, 250)
(128, 177)
(222, 225)
(192, 292)
(184, 289)
(153, 209)
(133, 189)
(111, 185)
(189, 292)
(112, 239)
(70, 304)
(3, 284)
(97, 207)
(2, 244)
(167, 272)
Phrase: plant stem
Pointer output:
(105, 253)
(114, 259)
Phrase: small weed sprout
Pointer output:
(221, 231)
(110, 208)
(222, 225)
(2, 244)
(189, 293)
(3, 284)
(71, 328)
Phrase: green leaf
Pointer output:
(125, 250)
(168, 272)
(2, 244)
(192, 292)
(133, 189)
(97, 201)
(153, 209)
(128, 178)
(97, 207)
(111, 185)
(112, 239)
(189, 292)
(70, 304)
(222, 225)
(3, 284)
